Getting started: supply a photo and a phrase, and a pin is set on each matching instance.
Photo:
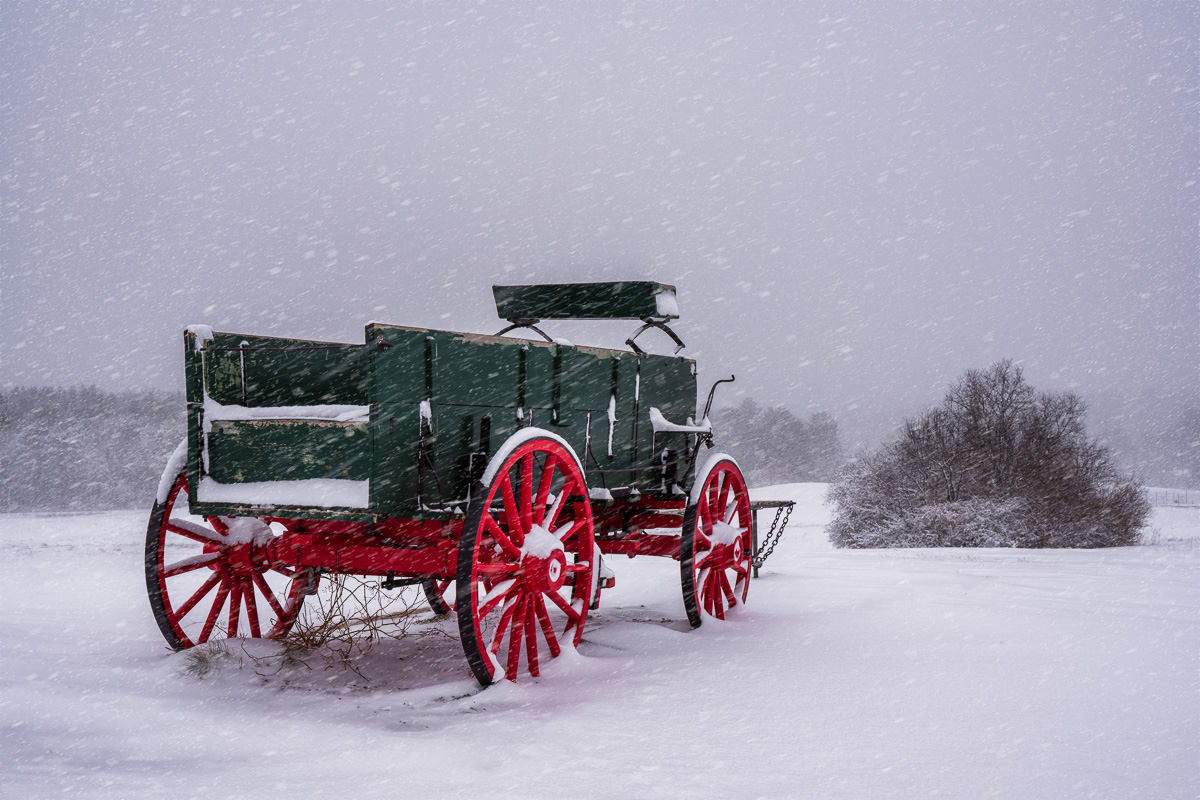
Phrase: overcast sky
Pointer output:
(856, 201)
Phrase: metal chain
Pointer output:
(774, 536)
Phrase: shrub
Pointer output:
(996, 464)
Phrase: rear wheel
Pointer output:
(716, 547)
(525, 560)
(210, 576)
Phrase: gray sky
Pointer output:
(856, 201)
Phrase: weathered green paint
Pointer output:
(283, 372)
(288, 450)
(479, 390)
(618, 300)
(395, 440)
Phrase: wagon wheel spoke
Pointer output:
(494, 599)
(191, 602)
(506, 616)
(511, 511)
(518, 633)
(705, 511)
(252, 610)
(551, 518)
(190, 564)
(565, 534)
(526, 498)
(235, 607)
(543, 491)
(531, 643)
(547, 626)
(492, 571)
(727, 590)
(721, 497)
(730, 512)
(213, 613)
(572, 614)
(706, 560)
(194, 532)
(261, 583)
(501, 537)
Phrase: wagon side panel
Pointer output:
(668, 384)
(401, 374)
(265, 414)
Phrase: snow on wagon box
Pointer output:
(494, 472)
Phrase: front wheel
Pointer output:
(525, 560)
(716, 545)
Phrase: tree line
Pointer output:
(773, 445)
(83, 449)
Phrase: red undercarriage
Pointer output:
(429, 548)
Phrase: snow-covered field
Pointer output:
(851, 674)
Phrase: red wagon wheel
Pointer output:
(716, 546)
(525, 559)
(440, 595)
(210, 576)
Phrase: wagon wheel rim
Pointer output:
(717, 547)
(212, 577)
(525, 563)
(440, 594)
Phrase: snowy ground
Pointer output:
(868, 674)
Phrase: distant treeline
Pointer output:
(772, 445)
(82, 449)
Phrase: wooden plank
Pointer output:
(269, 371)
(247, 451)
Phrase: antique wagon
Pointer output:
(494, 472)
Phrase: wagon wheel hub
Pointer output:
(737, 550)
(728, 548)
(247, 559)
(544, 574)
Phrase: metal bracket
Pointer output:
(651, 322)
(526, 323)
(392, 582)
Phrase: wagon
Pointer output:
(496, 473)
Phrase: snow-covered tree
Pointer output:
(995, 464)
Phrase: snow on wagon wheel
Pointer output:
(210, 576)
(716, 546)
(525, 558)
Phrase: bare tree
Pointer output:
(995, 464)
